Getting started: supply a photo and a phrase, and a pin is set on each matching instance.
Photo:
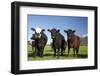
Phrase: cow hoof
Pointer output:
(67, 55)
(61, 55)
(54, 55)
(41, 56)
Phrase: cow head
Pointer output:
(38, 31)
(70, 33)
(53, 32)
(33, 37)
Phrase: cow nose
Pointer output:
(38, 34)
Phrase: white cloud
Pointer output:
(85, 35)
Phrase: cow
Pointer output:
(73, 41)
(40, 39)
(58, 42)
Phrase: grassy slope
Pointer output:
(48, 54)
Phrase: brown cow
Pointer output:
(73, 41)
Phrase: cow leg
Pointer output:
(62, 51)
(77, 51)
(54, 52)
(35, 52)
(68, 51)
(32, 49)
(58, 52)
(41, 53)
(74, 52)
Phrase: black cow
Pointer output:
(58, 42)
(73, 41)
(40, 41)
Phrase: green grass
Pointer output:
(48, 54)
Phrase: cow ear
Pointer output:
(65, 31)
(43, 30)
(32, 29)
(49, 30)
(74, 31)
(58, 30)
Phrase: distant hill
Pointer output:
(84, 40)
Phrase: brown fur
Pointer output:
(73, 41)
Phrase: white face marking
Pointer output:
(38, 30)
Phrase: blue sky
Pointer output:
(80, 24)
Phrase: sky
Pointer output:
(79, 24)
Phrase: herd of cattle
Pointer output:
(58, 42)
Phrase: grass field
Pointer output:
(48, 54)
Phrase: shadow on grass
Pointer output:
(82, 56)
(50, 53)
(47, 54)
(65, 55)
(30, 55)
